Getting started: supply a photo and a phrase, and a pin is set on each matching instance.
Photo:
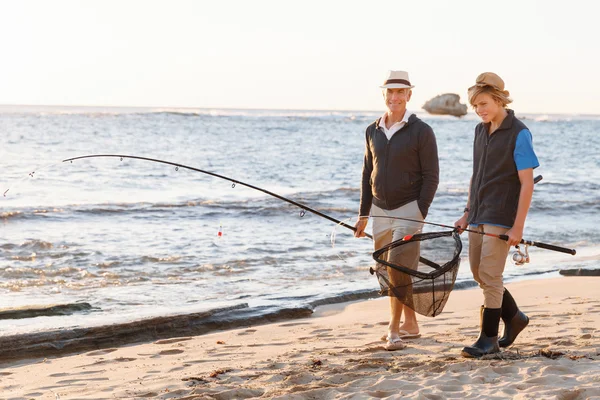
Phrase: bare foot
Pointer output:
(412, 329)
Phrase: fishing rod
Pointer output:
(234, 182)
(306, 208)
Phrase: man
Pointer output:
(399, 180)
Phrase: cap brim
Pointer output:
(396, 86)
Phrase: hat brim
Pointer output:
(396, 86)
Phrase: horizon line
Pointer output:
(469, 112)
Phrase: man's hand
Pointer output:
(360, 226)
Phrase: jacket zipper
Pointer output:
(385, 182)
(482, 171)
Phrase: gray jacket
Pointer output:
(400, 170)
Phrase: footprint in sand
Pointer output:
(567, 394)
(5, 373)
(320, 331)
(541, 380)
(247, 332)
(100, 352)
(269, 344)
(325, 335)
(81, 381)
(506, 370)
(98, 371)
(451, 388)
(149, 394)
(301, 378)
(58, 375)
(174, 340)
(119, 359)
(170, 352)
(564, 342)
(557, 370)
(295, 324)
(381, 394)
(567, 315)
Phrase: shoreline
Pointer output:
(336, 353)
(70, 340)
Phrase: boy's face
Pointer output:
(396, 99)
(486, 107)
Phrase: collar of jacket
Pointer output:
(411, 119)
(506, 123)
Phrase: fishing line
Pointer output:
(29, 176)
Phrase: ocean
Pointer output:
(131, 239)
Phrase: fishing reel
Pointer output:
(519, 257)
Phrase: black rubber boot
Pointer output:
(487, 343)
(514, 320)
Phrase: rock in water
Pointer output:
(446, 104)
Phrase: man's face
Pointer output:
(396, 99)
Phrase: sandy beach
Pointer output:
(337, 353)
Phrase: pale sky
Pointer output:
(295, 54)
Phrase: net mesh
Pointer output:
(419, 270)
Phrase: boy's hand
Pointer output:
(461, 224)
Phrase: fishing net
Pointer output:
(419, 270)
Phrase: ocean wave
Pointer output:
(263, 206)
(28, 213)
(559, 117)
(168, 260)
(562, 207)
(11, 214)
(36, 245)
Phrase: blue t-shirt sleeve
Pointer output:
(524, 155)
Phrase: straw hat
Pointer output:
(397, 80)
